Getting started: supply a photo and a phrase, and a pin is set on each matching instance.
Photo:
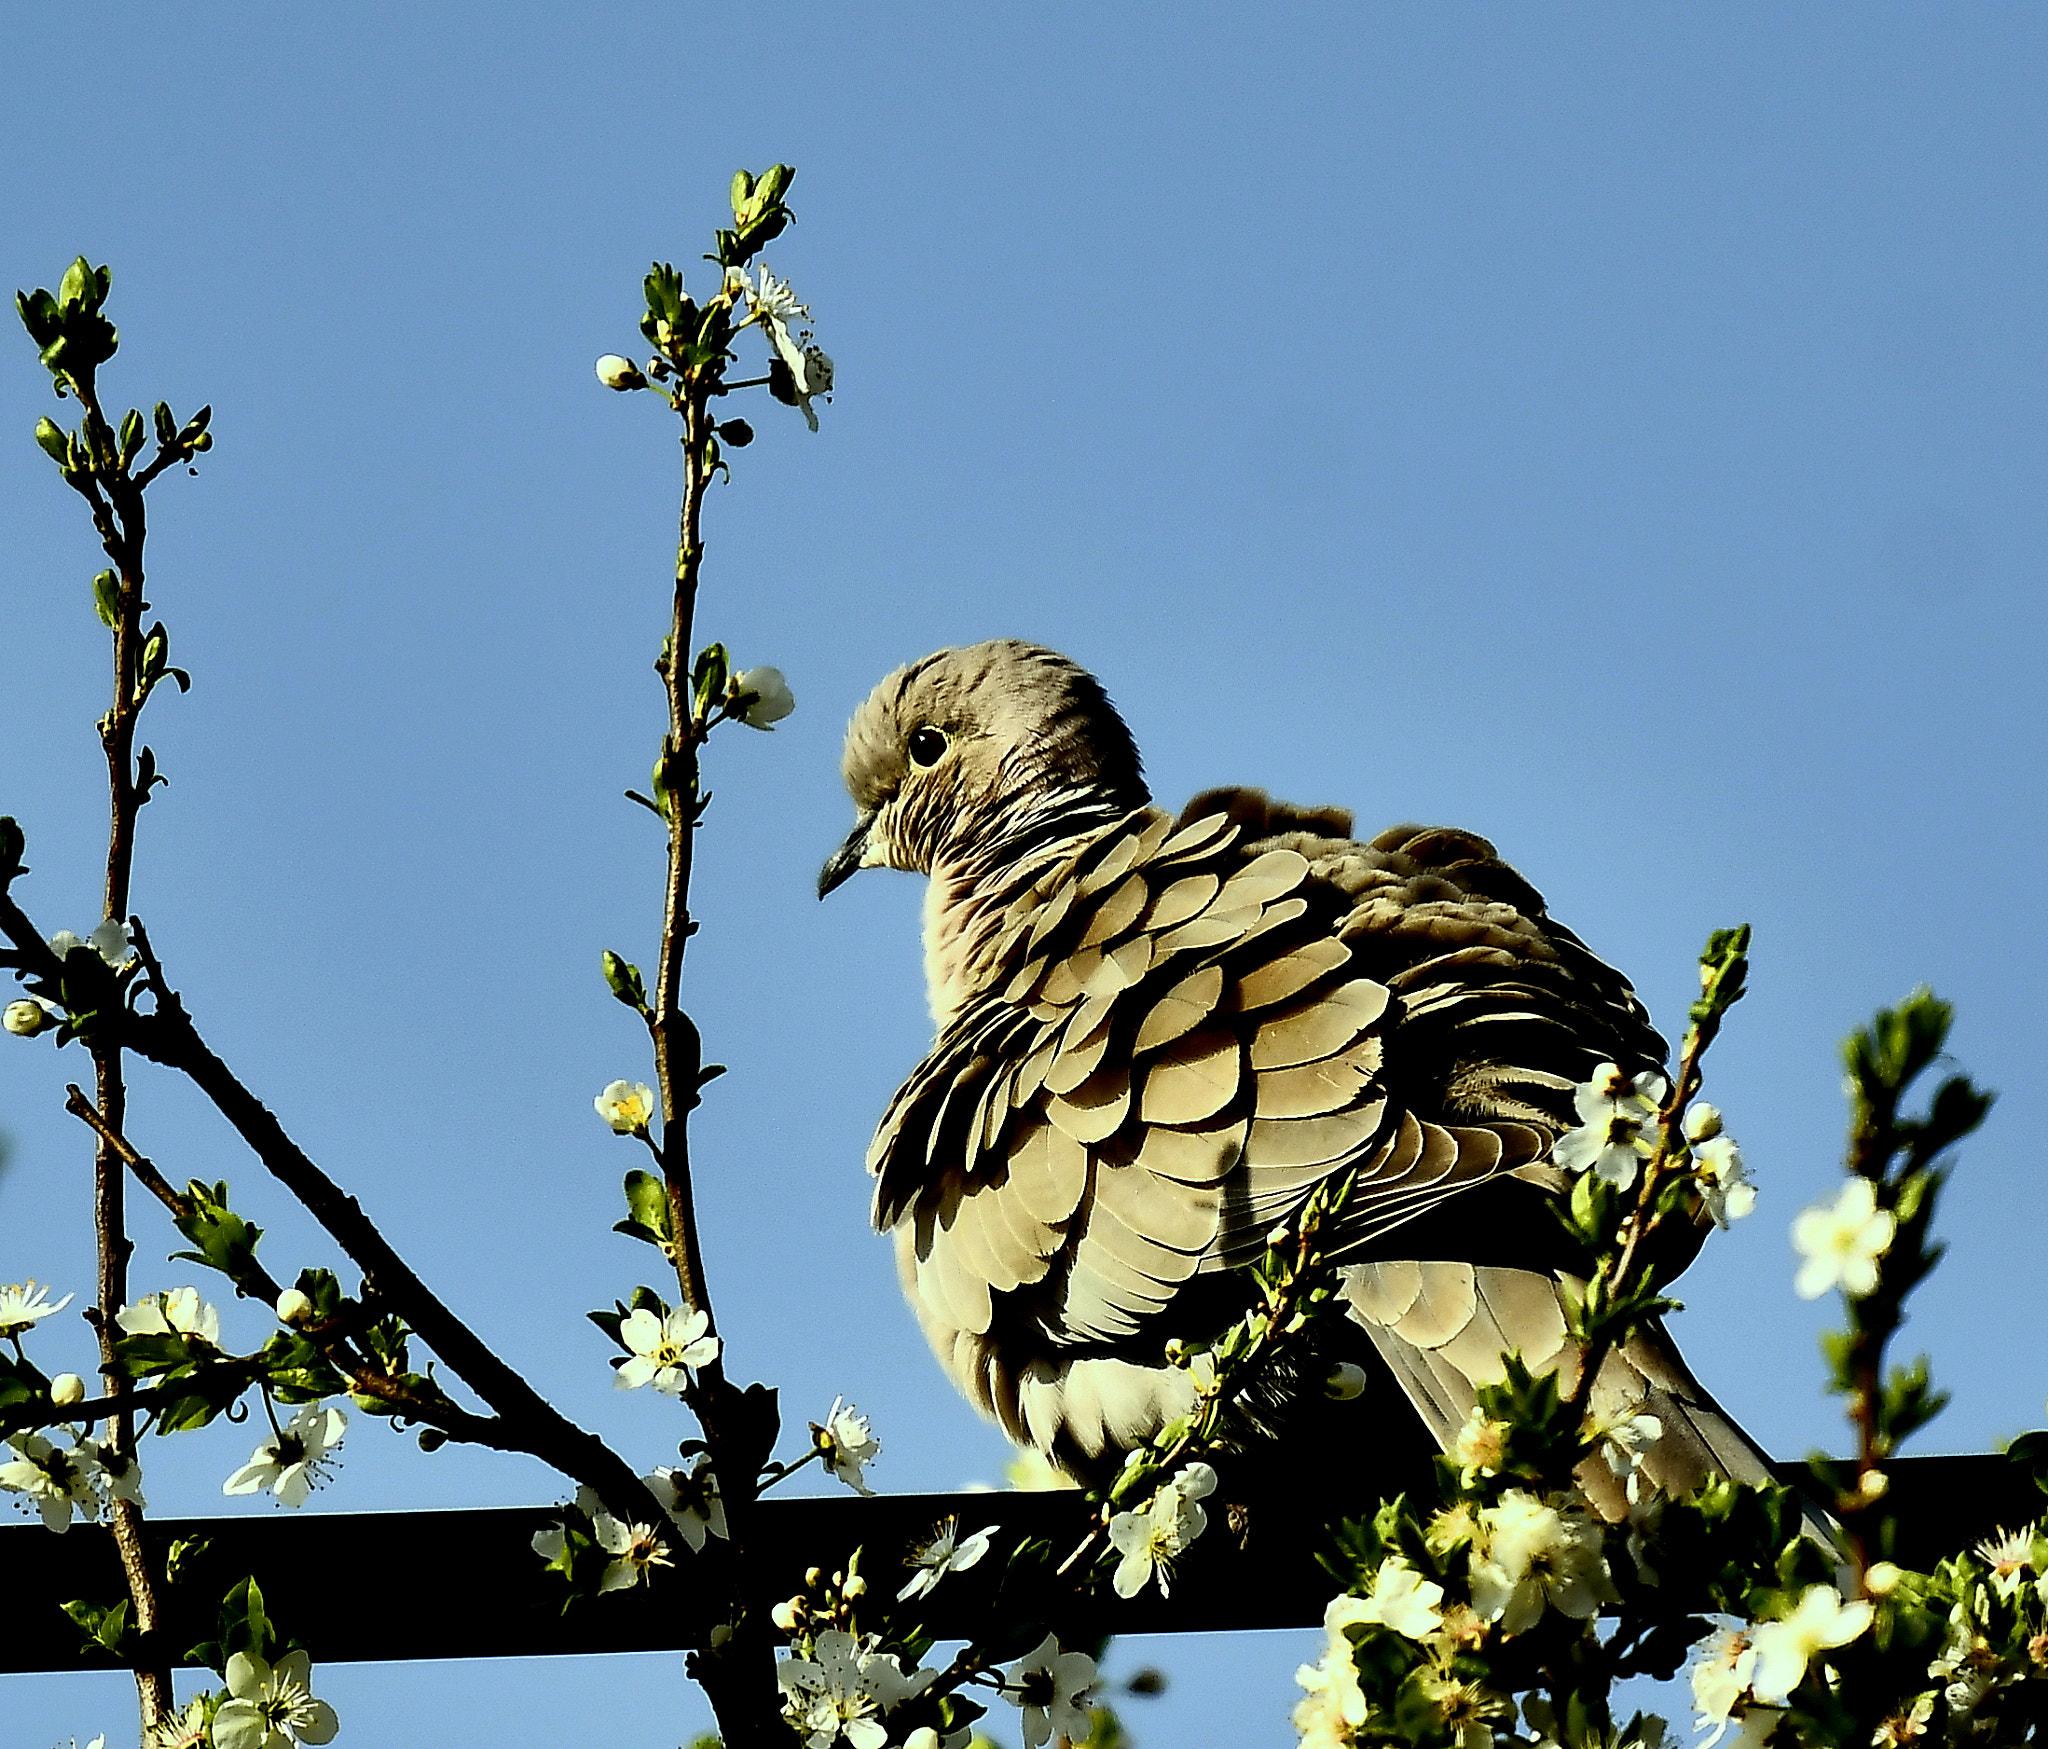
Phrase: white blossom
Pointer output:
(1625, 1444)
(848, 1444)
(776, 310)
(662, 1348)
(23, 1303)
(813, 379)
(30, 1016)
(619, 373)
(294, 1306)
(1617, 1115)
(693, 1503)
(1721, 1678)
(842, 1690)
(1334, 1705)
(120, 1473)
(182, 1730)
(1152, 1537)
(772, 698)
(1723, 1184)
(1843, 1241)
(272, 1706)
(627, 1106)
(1527, 1554)
(1477, 1446)
(944, 1551)
(57, 1479)
(290, 1464)
(1396, 1597)
(1819, 1621)
(1052, 1687)
(180, 1312)
(2009, 1555)
(634, 1549)
(110, 941)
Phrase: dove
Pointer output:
(1156, 1035)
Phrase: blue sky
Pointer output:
(1612, 428)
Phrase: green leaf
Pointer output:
(106, 599)
(133, 432)
(104, 1626)
(647, 1210)
(54, 440)
(624, 981)
(223, 1239)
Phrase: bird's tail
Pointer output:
(1443, 1329)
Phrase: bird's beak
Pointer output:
(848, 859)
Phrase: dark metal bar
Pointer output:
(384, 1586)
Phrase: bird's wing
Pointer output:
(1178, 1042)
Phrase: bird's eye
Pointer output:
(927, 747)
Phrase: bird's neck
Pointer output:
(974, 889)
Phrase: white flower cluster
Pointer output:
(1746, 1674)
(843, 1690)
(1152, 1537)
(1618, 1131)
(81, 1476)
(110, 941)
(635, 1549)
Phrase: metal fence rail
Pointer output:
(381, 1586)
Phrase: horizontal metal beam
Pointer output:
(382, 1586)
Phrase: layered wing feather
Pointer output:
(1179, 1034)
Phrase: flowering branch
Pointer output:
(97, 462)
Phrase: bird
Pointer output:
(1157, 1034)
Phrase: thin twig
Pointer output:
(365, 1378)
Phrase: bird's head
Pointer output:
(975, 748)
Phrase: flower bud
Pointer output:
(1345, 1382)
(294, 1307)
(924, 1737)
(67, 1388)
(772, 698)
(1702, 1123)
(1882, 1579)
(26, 1018)
(854, 1587)
(811, 1577)
(1872, 1485)
(619, 373)
(786, 1614)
